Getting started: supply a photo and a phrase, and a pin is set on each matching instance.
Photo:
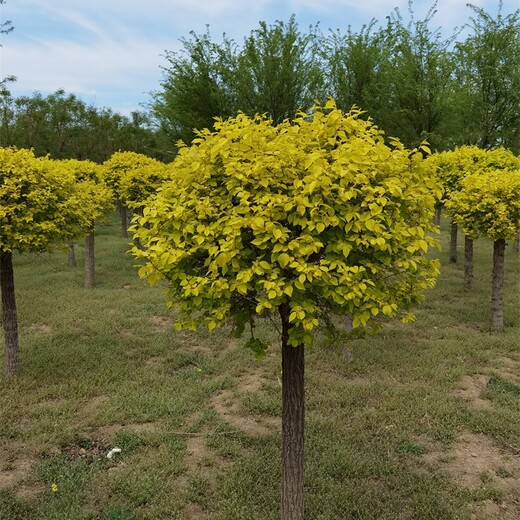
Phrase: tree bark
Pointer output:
(437, 218)
(72, 254)
(89, 259)
(9, 320)
(293, 416)
(468, 263)
(497, 286)
(453, 242)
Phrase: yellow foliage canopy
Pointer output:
(318, 213)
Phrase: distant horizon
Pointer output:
(110, 54)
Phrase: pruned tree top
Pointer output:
(318, 213)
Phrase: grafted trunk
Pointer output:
(293, 416)
(468, 263)
(497, 286)
(453, 242)
(9, 320)
(89, 259)
(72, 254)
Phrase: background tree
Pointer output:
(5, 28)
(489, 76)
(37, 209)
(95, 199)
(489, 205)
(279, 70)
(123, 176)
(63, 126)
(352, 67)
(451, 167)
(301, 221)
(415, 98)
(197, 86)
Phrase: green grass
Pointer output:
(104, 368)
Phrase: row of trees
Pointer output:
(304, 220)
(414, 82)
(46, 203)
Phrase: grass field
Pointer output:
(423, 422)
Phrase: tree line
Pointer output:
(414, 82)
(65, 127)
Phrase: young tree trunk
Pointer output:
(468, 263)
(124, 219)
(437, 218)
(72, 254)
(453, 242)
(9, 321)
(89, 259)
(293, 415)
(497, 286)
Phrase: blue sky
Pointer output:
(110, 52)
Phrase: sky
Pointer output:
(110, 53)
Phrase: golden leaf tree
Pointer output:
(304, 220)
(488, 204)
(38, 208)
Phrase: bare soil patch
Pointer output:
(475, 460)
(508, 368)
(472, 389)
(16, 470)
(194, 512)
(161, 323)
(229, 407)
(40, 328)
(92, 404)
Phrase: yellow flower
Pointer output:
(54, 488)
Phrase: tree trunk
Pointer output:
(453, 242)
(72, 254)
(293, 415)
(9, 321)
(437, 218)
(89, 259)
(497, 286)
(124, 220)
(468, 263)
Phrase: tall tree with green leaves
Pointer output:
(489, 74)
(197, 86)
(304, 220)
(352, 67)
(279, 70)
(415, 99)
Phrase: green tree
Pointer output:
(37, 209)
(352, 68)
(302, 221)
(489, 75)
(196, 86)
(5, 28)
(488, 204)
(278, 70)
(415, 98)
(65, 127)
